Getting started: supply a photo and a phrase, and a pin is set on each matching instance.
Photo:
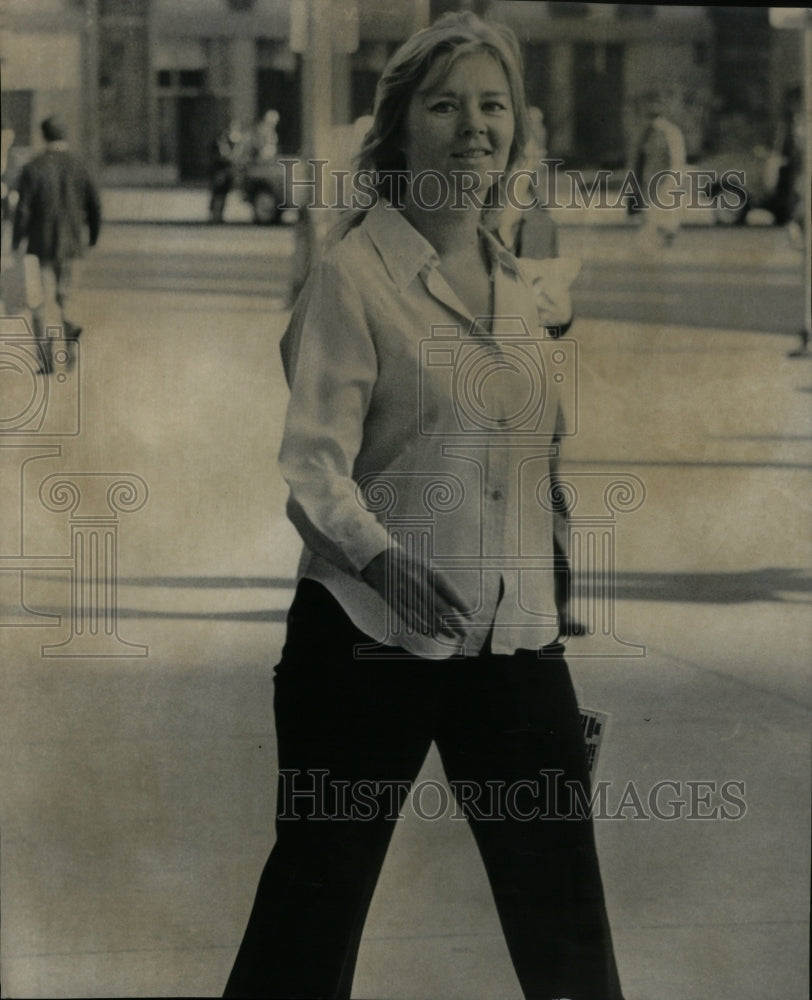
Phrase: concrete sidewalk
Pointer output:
(168, 205)
(136, 792)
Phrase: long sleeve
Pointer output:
(331, 367)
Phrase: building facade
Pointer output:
(151, 82)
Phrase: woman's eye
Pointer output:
(443, 107)
(491, 106)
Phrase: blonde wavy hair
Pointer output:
(437, 47)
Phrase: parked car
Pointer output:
(263, 186)
(735, 183)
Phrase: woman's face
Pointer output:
(461, 120)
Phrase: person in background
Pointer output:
(529, 232)
(393, 643)
(659, 167)
(6, 142)
(227, 156)
(58, 212)
(786, 202)
(308, 234)
(265, 139)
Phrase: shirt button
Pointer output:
(497, 494)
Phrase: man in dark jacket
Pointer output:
(57, 199)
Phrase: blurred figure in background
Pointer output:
(530, 232)
(265, 140)
(57, 199)
(659, 165)
(312, 228)
(6, 142)
(228, 153)
(786, 203)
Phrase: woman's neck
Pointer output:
(449, 231)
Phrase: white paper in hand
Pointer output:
(551, 279)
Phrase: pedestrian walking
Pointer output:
(525, 225)
(786, 200)
(227, 158)
(265, 138)
(659, 168)
(6, 142)
(402, 355)
(58, 213)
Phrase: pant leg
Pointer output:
(505, 721)
(222, 181)
(351, 738)
(39, 315)
(64, 273)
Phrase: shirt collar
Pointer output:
(405, 252)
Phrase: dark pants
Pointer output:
(352, 736)
(222, 182)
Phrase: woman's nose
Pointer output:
(471, 121)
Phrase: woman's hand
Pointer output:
(422, 599)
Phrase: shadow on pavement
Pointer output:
(770, 584)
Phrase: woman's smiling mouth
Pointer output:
(472, 154)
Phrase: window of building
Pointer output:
(191, 78)
(182, 80)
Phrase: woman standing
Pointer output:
(419, 448)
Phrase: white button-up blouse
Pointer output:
(412, 423)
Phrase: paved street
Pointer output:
(137, 785)
(227, 260)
